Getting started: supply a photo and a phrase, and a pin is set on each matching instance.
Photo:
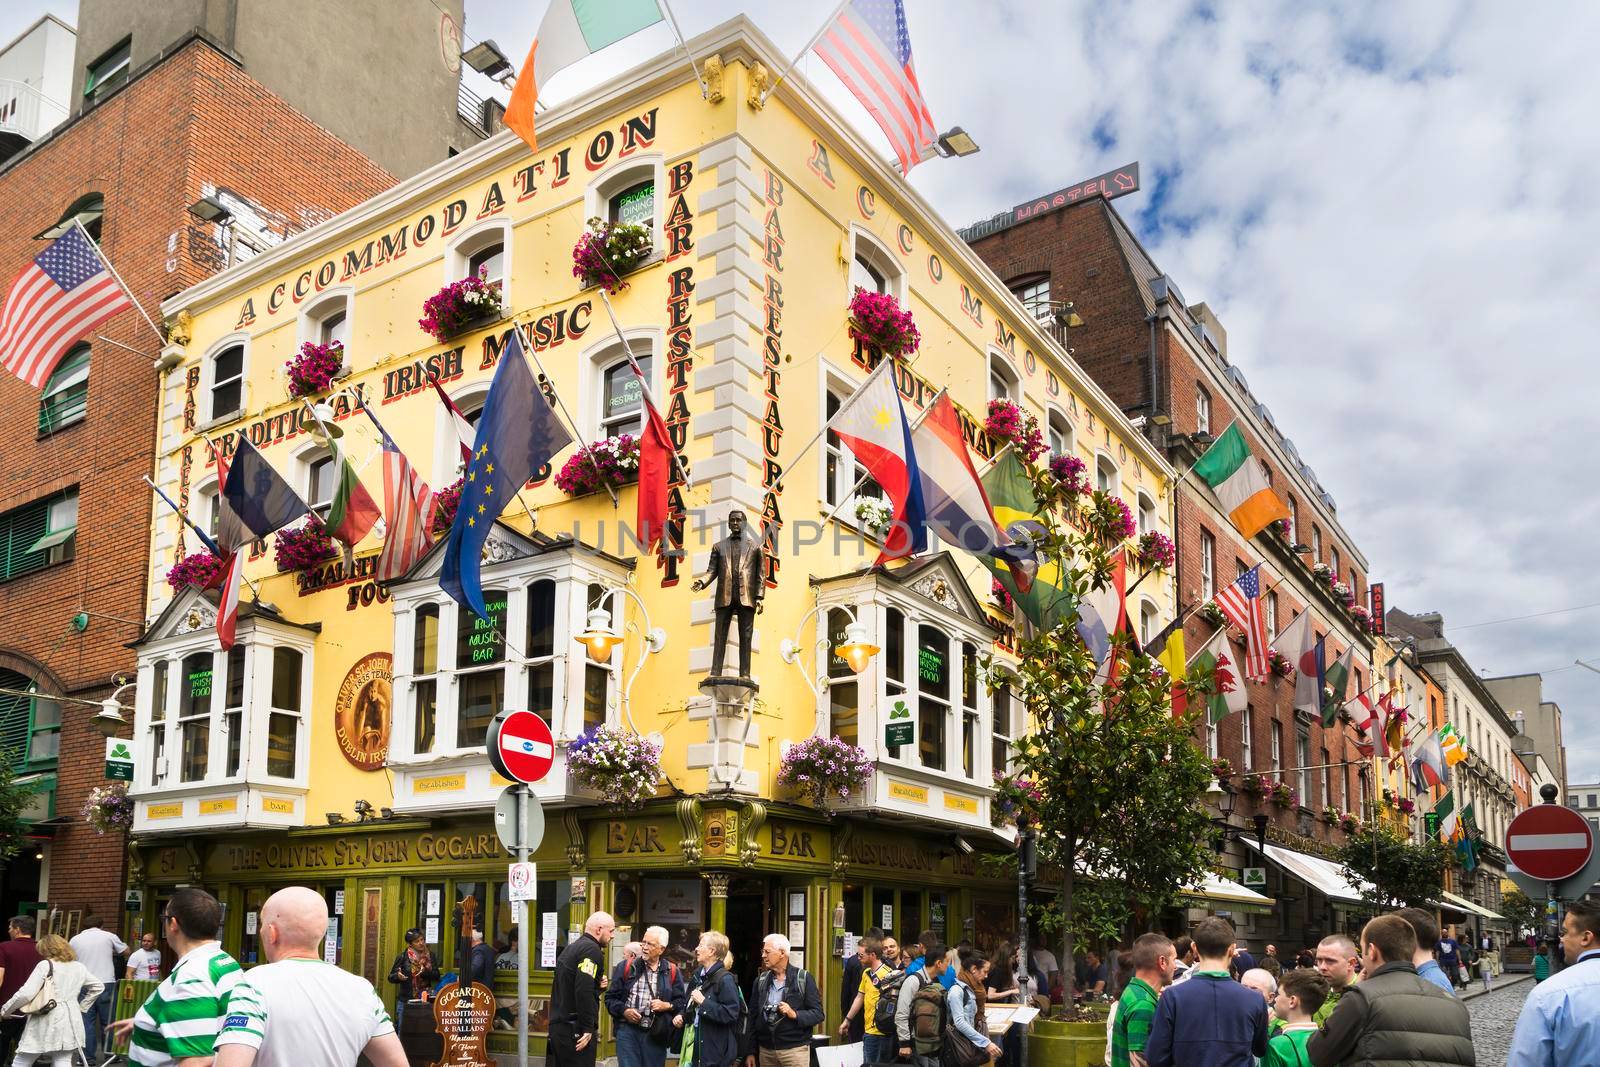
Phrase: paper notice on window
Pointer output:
(547, 952)
(433, 903)
(338, 902)
(250, 922)
(849, 945)
(430, 933)
(330, 944)
(547, 925)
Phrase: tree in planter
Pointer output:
(1119, 778)
(1399, 872)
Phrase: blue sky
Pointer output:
(1394, 210)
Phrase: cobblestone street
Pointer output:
(1494, 1018)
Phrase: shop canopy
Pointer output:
(1463, 904)
(1325, 876)
(1223, 894)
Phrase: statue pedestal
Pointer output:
(727, 706)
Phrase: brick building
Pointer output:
(1081, 270)
(74, 515)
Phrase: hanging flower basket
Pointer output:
(445, 503)
(108, 808)
(1108, 517)
(1349, 823)
(1283, 795)
(1281, 528)
(613, 461)
(1008, 423)
(198, 569)
(300, 548)
(1362, 616)
(1213, 615)
(622, 767)
(1254, 784)
(1406, 806)
(1330, 815)
(874, 515)
(1013, 796)
(314, 368)
(878, 321)
(1322, 572)
(1221, 769)
(1070, 474)
(608, 250)
(1001, 595)
(1279, 663)
(1157, 552)
(823, 767)
(461, 305)
(1342, 592)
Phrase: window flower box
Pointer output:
(612, 462)
(619, 766)
(878, 321)
(1221, 769)
(1281, 528)
(301, 548)
(461, 306)
(1157, 552)
(1109, 516)
(1013, 797)
(1349, 823)
(1213, 615)
(1283, 795)
(1279, 664)
(874, 515)
(1001, 595)
(1009, 424)
(1070, 474)
(1406, 806)
(608, 250)
(198, 569)
(824, 767)
(1331, 816)
(314, 368)
(445, 503)
(1254, 784)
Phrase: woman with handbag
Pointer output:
(713, 1012)
(54, 998)
(966, 1039)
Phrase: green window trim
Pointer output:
(110, 70)
(53, 538)
(66, 395)
(21, 727)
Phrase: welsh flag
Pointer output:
(1215, 669)
(1240, 483)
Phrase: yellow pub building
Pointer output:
(341, 743)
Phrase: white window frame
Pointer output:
(474, 239)
(861, 243)
(1043, 314)
(572, 580)
(1000, 366)
(1247, 748)
(1148, 517)
(1208, 566)
(1271, 606)
(1202, 409)
(1316, 544)
(598, 358)
(1277, 747)
(1014, 729)
(1149, 617)
(267, 653)
(1105, 468)
(1294, 520)
(303, 461)
(1302, 757)
(79, 376)
(1057, 425)
(208, 382)
(848, 469)
(310, 326)
(447, 463)
(619, 176)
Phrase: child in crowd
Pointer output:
(1300, 994)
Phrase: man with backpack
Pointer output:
(880, 985)
(919, 1013)
(785, 1007)
(644, 995)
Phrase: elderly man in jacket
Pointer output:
(644, 995)
(785, 1008)
(1393, 1015)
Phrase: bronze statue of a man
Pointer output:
(736, 568)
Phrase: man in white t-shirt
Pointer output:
(95, 947)
(297, 1010)
(144, 965)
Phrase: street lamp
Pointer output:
(1224, 799)
(600, 637)
(856, 650)
(957, 142)
(486, 58)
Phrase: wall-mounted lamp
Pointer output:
(957, 142)
(600, 637)
(210, 209)
(335, 818)
(486, 58)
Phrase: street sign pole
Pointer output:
(522, 932)
(1552, 914)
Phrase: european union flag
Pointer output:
(517, 434)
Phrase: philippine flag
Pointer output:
(873, 424)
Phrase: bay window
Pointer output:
(1005, 728)
(233, 709)
(844, 691)
(194, 715)
(480, 678)
(424, 683)
(969, 709)
(158, 721)
(933, 705)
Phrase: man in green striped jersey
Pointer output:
(297, 1010)
(178, 1024)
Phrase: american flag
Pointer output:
(869, 47)
(407, 509)
(1241, 603)
(62, 294)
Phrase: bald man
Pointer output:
(296, 1009)
(575, 994)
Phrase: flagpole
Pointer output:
(204, 537)
(577, 432)
(126, 291)
(802, 53)
(672, 20)
(216, 453)
(644, 386)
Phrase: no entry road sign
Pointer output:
(1549, 842)
(520, 746)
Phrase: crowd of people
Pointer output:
(1194, 1001)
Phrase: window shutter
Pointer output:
(18, 531)
(16, 715)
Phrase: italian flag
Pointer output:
(1240, 483)
(571, 30)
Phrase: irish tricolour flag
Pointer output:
(1240, 483)
(570, 31)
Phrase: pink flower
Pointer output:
(300, 548)
(313, 368)
(1008, 423)
(448, 311)
(613, 461)
(199, 569)
(878, 320)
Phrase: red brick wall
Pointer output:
(1079, 249)
(150, 150)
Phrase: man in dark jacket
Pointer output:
(644, 995)
(480, 961)
(575, 995)
(784, 1007)
(1209, 1020)
(1392, 1014)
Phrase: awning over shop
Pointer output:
(1223, 894)
(1325, 876)
(1463, 904)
